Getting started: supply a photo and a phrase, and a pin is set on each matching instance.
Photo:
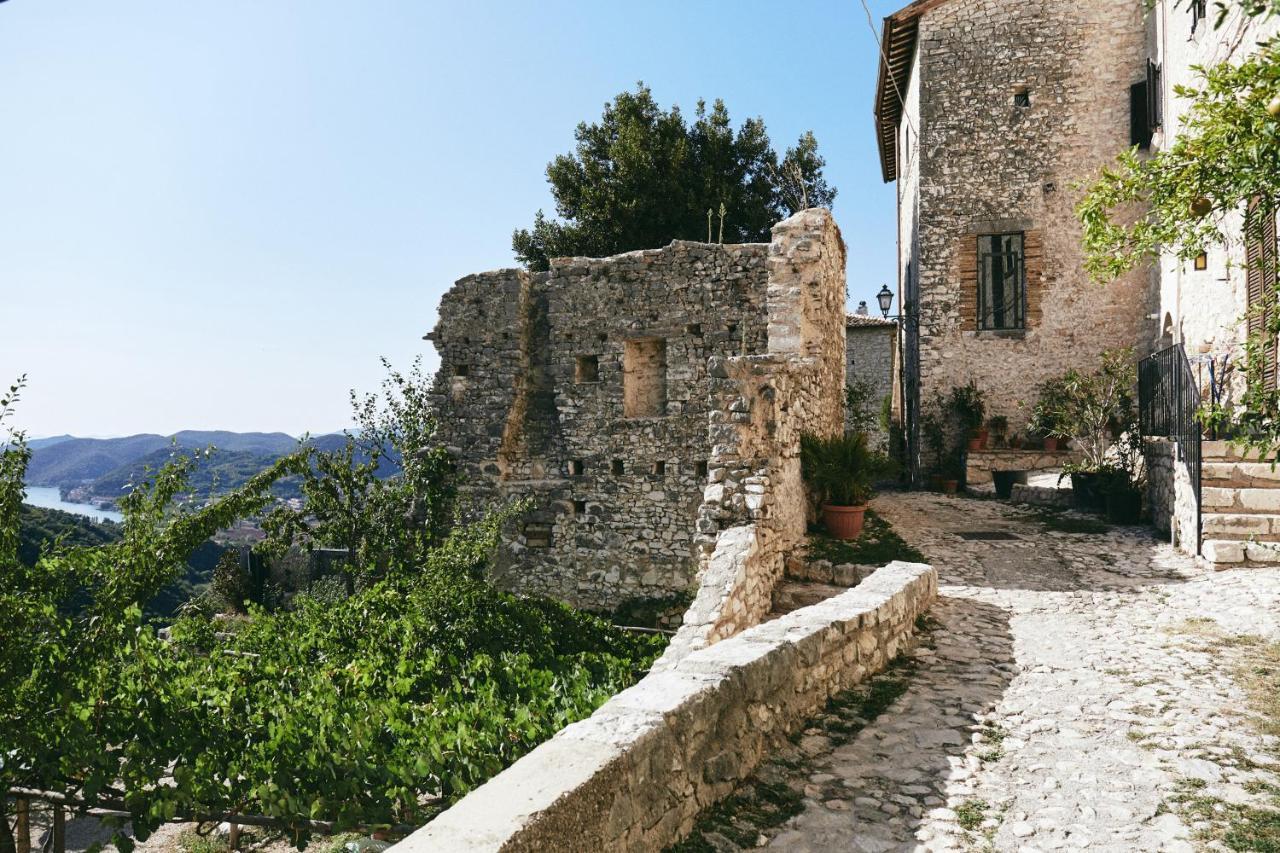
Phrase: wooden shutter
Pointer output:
(1033, 260)
(968, 260)
(1260, 277)
(1139, 122)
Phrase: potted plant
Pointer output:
(1015, 442)
(1127, 480)
(842, 469)
(934, 433)
(1005, 480)
(951, 473)
(969, 407)
(998, 426)
(1046, 416)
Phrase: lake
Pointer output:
(50, 498)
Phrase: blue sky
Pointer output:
(220, 215)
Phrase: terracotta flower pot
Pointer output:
(1050, 443)
(975, 443)
(843, 522)
(950, 487)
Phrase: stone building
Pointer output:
(596, 390)
(988, 114)
(871, 345)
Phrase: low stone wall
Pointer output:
(636, 774)
(980, 463)
(1170, 495)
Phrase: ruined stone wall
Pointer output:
(754, 511)
(599, 391)
(991, 166)
(635, 775)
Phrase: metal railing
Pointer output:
(1168, 406)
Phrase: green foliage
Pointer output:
(877, 545)
(968, 405)
(368, 709)
(1182, 201)
(1092, 408)
(842, 468)
(641, 177)
(860, 405)
(49, 529)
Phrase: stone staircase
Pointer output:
(1240, 507)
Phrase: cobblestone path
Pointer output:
(1074, 685)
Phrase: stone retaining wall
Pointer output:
(636, 774)
(980, 463)
(1170, 495)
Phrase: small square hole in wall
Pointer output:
(579, 507)
(733, 329)
(462, 370)
(694, 329)
(1022, 98)
(659, 469)
(576, 467)
(700, 469)
(537, 535)
(617, 468)
(1202, 261)
(587, 369)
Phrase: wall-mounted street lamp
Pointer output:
(885, 298)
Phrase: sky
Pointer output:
(221, 215)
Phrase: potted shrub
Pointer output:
(1015, 442)
(998, 426)
(951, 472)
(1126, 482)
(1091, 407)
(934, 434)
(1047, 414)
(969, 408)
(842, 469)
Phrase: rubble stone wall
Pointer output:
(592, 391)
(989, 165)
(869, 357)
(1170, 495)
(635, 775)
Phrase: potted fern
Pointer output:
(842, 470)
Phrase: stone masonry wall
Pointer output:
(988, 165)
(754, 511)
(635, 775)
(1170, 495)
(587, 389)
(870, 345)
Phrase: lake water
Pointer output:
(50, 498)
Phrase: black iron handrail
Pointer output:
(1168, 406)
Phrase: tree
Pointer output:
(1179, 201)
(642, 177)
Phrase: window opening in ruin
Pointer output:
(617, 468)
(700, 468)
(462, 370)
(1002, 296)
(587, 369)
(1022, 98)
(576, 467)
(694, 329)
(579, 507)
(659, 469)
(1202, 261)
(537, 535)
(644, 379)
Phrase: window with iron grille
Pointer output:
(1199, 11)
(1002, 282)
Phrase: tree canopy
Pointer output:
(642, 177)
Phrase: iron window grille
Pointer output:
(1002, 282)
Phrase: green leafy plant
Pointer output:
(999, 426)
(842, 469)
(1091, 408)
(859, 406)
(968, 404)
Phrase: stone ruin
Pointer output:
(645, 404)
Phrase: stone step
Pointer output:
(1233, 552)
(1241, 525)
(1227, 474)
(1246, 499)
(1221, 450)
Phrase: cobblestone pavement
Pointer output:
(1063, 699)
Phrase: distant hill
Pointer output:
(48, 441)
(104, 467)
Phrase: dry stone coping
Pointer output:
(635, 775)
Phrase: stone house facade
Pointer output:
(597, 390)
(871, 346)
(988, 114)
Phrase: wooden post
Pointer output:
(233, 836)
(59, 830)
(22, 826)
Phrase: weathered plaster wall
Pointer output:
(989, 166)
(636, 774)
(1202, 308)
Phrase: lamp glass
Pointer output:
(885, 298)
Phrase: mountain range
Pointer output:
(103, 468)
